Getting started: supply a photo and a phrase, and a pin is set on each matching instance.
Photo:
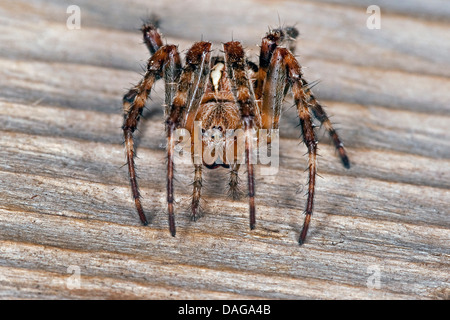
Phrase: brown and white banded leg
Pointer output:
(309, 138)
(274, 38)
(273, 94)
(321, 115)
(284, 59)
(153, 41)
(133, 104)
(272, 71)
(250, 116)
(268, 44)
(191, 87)
(284, 65)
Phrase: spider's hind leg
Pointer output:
(282, 72)
(186, 99)
(250, 116)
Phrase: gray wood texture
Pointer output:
(69, 229)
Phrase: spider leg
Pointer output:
(153, 41)
(197, 193)
(235, 64)
(152, 37)
(309, 138)
(321, 115)
(273, 93)
(166, 58)
(270, 93)
(269, 43)
(234, 181)
(190, 89)
(284, 65)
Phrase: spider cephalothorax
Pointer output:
(225, 95)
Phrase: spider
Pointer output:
(225, 92)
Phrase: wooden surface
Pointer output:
(68, 224)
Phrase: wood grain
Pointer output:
(65, 203)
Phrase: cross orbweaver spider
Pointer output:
(229, 92)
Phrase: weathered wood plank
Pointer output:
(65, 200)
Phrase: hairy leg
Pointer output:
(321, 115)
(284, 67)
(191, 87)
(248, 127)
(152, 40)
(235, 63)
(283, 58)
(234, 190)
(133, 105)
(309, 138)
(274, 92)
(273, 39)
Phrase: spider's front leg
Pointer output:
(187, 98)
(284, 59)
(164, 63)
(285, 70)
(236, 68)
